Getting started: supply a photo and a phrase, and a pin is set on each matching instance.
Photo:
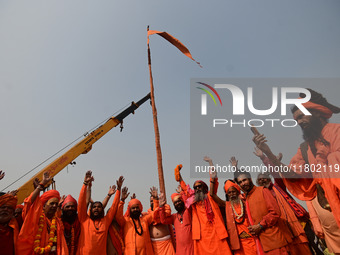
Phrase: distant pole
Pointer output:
(156, 128)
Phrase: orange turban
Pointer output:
(69, 199)
(326, 112)
(229, 184)
(49, 195)
(131, 203)
(8, 199)
(174, 195)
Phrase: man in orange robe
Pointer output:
(95, 227)
(42, 231)
(9, 229)
(321, 154)
(241, 240)
(300, 242)
(181, 221)
(71, 223)
(135, 226)
(208, 230)
(264, 217)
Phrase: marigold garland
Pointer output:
(72, 241)
(52, 237)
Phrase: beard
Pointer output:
(69, 216)
(312, 132)
(135, 215)
(200, 196)
(97, 217)
(235, 201)
(180, 207)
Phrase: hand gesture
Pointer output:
(2, 175)
(154, 192)
(133, 196)
(88, 177)
(112, 190)
(233, 161)
(36, 183)
(46, 178)
(120, 182)
(207, 159)
(125, 194)
(161, 200)
(258, 152)
(260, 142)
(179, 189)
(13, 192)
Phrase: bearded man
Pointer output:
(94, 228)
(42, 231)
(264, 217)
(208, 231)
(71, 223)
(181, 221)
(135, 226)
(9, 229)
(321, 152)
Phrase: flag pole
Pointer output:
(156, 128)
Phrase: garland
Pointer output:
(72, 241)
(236, 214)
(52, 237)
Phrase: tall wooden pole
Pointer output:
(155, 123)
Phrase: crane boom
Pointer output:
(81, 147)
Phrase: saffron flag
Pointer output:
(174, 41)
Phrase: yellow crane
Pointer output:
(82, 147)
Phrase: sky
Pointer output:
(67, 66)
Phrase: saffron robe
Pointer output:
(93, 234)
(327, 160)
(26, 238)
(182, 224)
(264, 210)
(135, 244)
(8, 237)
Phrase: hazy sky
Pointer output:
(65, 66)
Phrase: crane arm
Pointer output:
(81, 147)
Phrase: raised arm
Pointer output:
(82, 206)
(163, 217)
(114, 207)
(119, 215)
(40, 187)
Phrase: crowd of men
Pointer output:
(252, 220)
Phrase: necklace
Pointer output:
(238, 217)
(141, 232)
(51, 240)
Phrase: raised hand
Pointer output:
(233, 161)
(125, 194)
(260, 142)
(13, 192)
(2, 175)
(207, 159)
(179, 189)
(88, 177)
(133, 196)
(112, 190)
(258, 152)
(46, 178)
(279, 156)
(154, 192)
(161, 200)
(120, 182)
(36, 183)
